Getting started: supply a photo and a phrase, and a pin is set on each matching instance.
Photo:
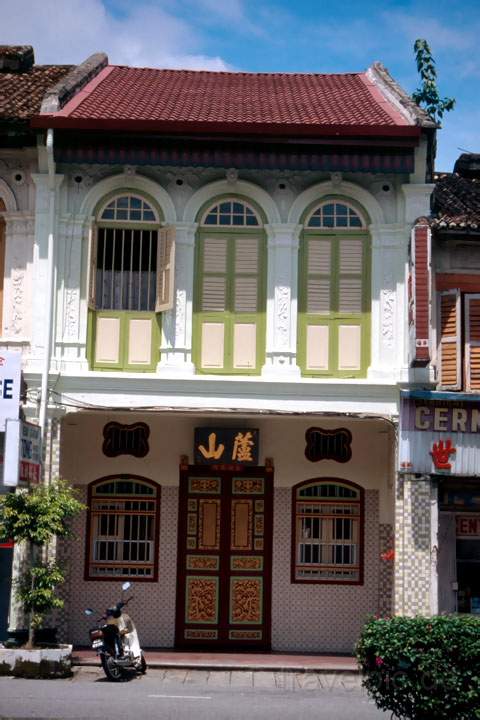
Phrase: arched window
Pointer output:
(334, 292)
(328, 532)
(230, 296)
(131, 279)
(126, 255)
(122, 532)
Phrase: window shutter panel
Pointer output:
(472, 329)
(92, 268)
(246, 275)
(450, 340)
(319, 264)
(165, 269)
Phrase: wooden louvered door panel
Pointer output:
(230, 304)
(450, 340)
(350, 303)
(335, 306)
(472, 332)
(224, 558)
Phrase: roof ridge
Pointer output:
(240, 72)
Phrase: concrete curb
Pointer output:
(230, 667)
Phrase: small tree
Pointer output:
(428, 94)
(36, 516)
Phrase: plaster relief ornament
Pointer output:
(232, 176)
(336, 179)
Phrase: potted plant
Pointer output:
(35, 517)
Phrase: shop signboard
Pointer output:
(10, 379)
(226, 446)
(30, 453)
(439, 433)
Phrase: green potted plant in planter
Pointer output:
(35, 517)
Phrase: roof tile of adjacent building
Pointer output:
(181, 100)
(456, 197)
(23, 84)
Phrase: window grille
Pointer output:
(126, 255)
(335, 215)
(231, 213)
(123, 518)
(328, 533)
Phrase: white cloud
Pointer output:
(440, 36)
(67, 31)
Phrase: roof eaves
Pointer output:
(64, 121)
(389, 87)
(61, 93)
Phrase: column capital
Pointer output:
(185, 232)
(389, 235)
(41, 180)
(283, 234)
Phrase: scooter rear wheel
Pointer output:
(143, 664)
(111, 669)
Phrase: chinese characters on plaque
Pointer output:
(226, 446)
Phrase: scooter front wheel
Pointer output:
(111, 669)
(143, 664)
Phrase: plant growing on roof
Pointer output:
(35, 516)
(428, 94)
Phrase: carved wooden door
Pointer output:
(224, 558)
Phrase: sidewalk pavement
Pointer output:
(273, 661)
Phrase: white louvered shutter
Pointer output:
(472, 345)
(450, 340)
(92, 268)
(318, 276)
(351, 275)
(246, 271)
(214, 276)
(165, 269)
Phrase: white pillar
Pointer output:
(389, 264)
(282, 301)
(40, 265)
(176, 345)
(69, 340)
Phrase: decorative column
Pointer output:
(176, 344)
(69, 341)
(282, 301)
(40, 264)
(19, 232)
(388, 314)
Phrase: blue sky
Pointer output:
(269, 35)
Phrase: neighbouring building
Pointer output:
(230, 263)
(23, 86)
(440, 428)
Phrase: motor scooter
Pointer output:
(115, 640)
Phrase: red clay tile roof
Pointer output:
(21, 93)
(456, 203)
(182, 100)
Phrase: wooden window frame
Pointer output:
(90, 527)
(461, 340)
(335, 317)
(361, 531)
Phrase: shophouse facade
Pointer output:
(439, 428)
(229, 257)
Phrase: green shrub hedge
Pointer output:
(423, 668)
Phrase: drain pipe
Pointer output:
(50, 286)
